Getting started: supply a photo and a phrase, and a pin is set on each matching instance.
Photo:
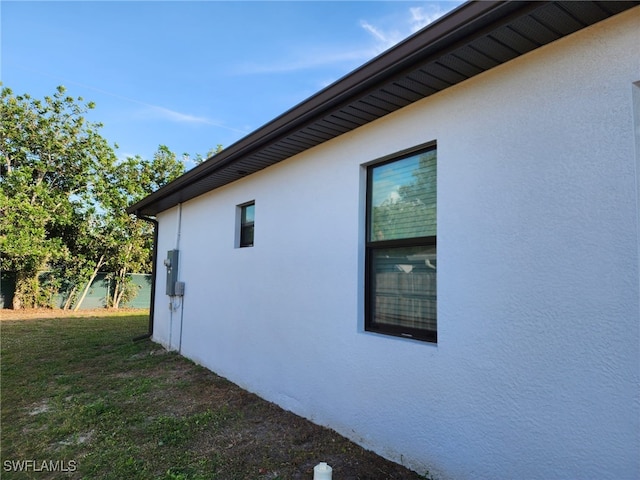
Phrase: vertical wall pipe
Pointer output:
(154, 261)
(172, 304)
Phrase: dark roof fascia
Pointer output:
(343, 88)
(468, 21)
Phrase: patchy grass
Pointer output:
(80, 399)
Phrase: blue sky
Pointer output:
(195, 74)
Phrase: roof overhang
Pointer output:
(471, 39)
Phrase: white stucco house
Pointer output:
(437, 255)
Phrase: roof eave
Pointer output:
(359, 79)
(460, 27)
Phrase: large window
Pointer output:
(401, 247)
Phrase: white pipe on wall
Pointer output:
(175, 304)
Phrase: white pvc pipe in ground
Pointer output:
(322, 471)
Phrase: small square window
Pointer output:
(247, 215)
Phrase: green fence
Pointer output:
(100, 290)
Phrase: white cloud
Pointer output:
(374, 31)
(387, 190)
(415, 18)
(310, 59)
(151, 110)
(156, 112)
(420, 17)
(384, 37)
(179, 117)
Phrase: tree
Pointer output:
(63, 200)
(52, 160)
(413, 209)
(198, 159)
(130, 237)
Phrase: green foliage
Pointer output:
(198, 159)
(413, 211)
(63, 195)
(131, 238)
(50, 157)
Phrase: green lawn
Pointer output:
(80, 399)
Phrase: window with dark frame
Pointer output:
(247, 215)
(401, 263)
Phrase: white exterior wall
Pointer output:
(536, 370)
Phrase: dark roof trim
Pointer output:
(471, 39)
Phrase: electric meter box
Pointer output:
(171, 262)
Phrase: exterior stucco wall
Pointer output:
(536, 370)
